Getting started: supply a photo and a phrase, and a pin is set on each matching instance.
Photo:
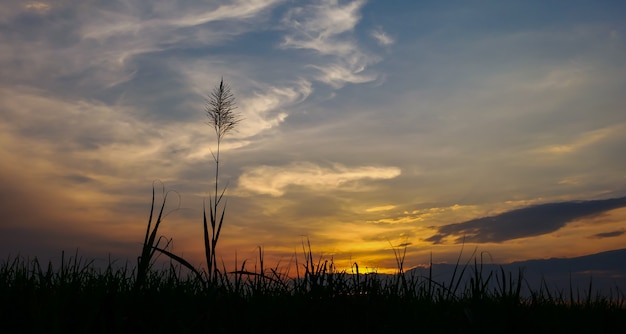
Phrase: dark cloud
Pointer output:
(607, 234)
(77, 178)
(531, 221)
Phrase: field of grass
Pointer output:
(76, 297)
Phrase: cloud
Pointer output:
(337, 75)
(381, 37)
(274, 181)
(432, 215)
(586, 139)
(608, 234)
(531, 221)
(265, 109)
(240, 10)
(114, 146)
(325, 28)
(381, 208)
(319, 27)
(37, 6)
(263, 105)
(86, 47)
(165, 18)
(75, 125)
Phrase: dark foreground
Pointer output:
(79, 299)
(164, 312)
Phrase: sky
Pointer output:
(367, 126)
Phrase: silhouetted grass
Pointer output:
(76, 297)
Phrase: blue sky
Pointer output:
(366, 123)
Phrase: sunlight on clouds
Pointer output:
(585, 140)
(37, 6)
(381, 208)
(109, 24)
(274, 181)
(113, 38)
(99, 141)
(73, 123)
(369, 245)
(565, 77)
(317, 26)
(242, 9)
(570, 181)
(203, 153)
(262, 105)
(337, 75)
(262, 111)
(518, 204)
(90, 165)
(45, 61)
(431, 216)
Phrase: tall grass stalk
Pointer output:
(220, 110)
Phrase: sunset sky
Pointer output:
(365, 124)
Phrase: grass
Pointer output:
(76, 297)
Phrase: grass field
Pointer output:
(76, 297)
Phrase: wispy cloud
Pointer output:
(90, 138)
(380, 208)
(321, 27)
(381, 37)
(263, 105)
(102, 50)
(584, 140)
(275, 181)
(38, 6)
(133, 21)
(326, 28)
(266, 109)
(239, 10)
(337, 75)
